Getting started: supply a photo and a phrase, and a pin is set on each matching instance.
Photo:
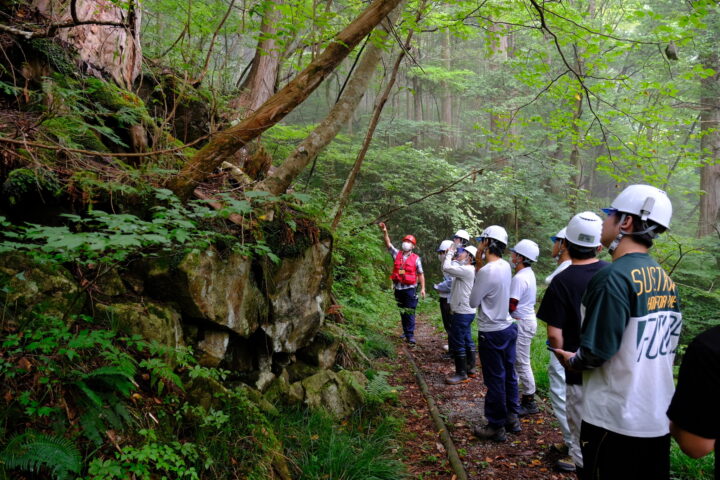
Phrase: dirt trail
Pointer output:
(524, 455)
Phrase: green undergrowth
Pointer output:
(84, 401)
(683, 467)
(359, 448)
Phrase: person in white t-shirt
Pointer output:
(523, 293)
(497, 335)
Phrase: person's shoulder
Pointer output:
(708, 341)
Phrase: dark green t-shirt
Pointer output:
(632, 321)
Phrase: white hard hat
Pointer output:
(495, 232)
(528, 249)
(560, 235)
(645, 201)
(471, 250)
(444, 245)
(584, 230)
(462, 234)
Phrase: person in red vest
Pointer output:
(407, 273)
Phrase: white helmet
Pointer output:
(560, 235)
(584, 230)
(444, 245)
(471, 250)
(645, 201)
(528, 249)
(462, 234)
(495, 232)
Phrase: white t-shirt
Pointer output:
(524, 288)
(491, 292)
(559, 269)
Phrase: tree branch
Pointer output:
(442, 189)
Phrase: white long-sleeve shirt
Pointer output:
(463, 279)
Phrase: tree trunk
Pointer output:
(227, 142)
(260, 83)
(338, 116)
(103, 50)
(497, 124)
(446, 139)
(710, 146)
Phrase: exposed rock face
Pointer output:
(339, 393)
(267, 333)
(103, 49)
(322, 351)
(220, 289)
(32, 285)
(212, 348)
(152, 320)
(298, 293)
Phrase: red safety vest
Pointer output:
(405, 270)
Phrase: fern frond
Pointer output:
(31, 451)
(379, 390)
(92, 425)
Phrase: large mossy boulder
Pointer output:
(298, 291)
(32, 285)
(322, 351)
(214, 287)
(339, 393)
(152, 320)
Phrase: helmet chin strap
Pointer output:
(619, 237)
(649, 230)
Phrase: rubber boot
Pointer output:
(512, 424)
(471, 370)
(460, 372)
(528, 406)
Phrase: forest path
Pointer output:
(524, 455)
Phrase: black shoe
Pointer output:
(512, 424)
(565, 465)
(491, 433)
(528, 406)
(528, 409)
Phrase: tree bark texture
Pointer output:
(710, 146)
(225, 143)
(262, 78)
(103, 50)
(338, 116)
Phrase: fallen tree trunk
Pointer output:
(225, 143)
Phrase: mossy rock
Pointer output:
(151, 320)
(23, 185)
(32, 285)
(117, 99)
(73, 132)
(340, 394)
(300, 371)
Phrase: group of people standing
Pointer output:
(613, 330)
(478, 281)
